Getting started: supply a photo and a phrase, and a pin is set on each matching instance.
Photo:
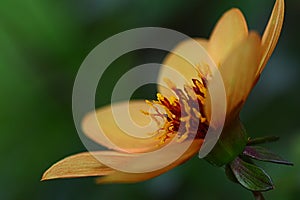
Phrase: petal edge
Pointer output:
(272, 33)
(229, 31)
(78, 165)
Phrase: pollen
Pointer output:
(183, 117)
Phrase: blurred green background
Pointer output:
(42, 45)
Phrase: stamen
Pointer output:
(204, 71)
(184, 117)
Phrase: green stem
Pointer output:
(258, 195)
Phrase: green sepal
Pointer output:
(263, 154)
(230, 144)
(230, 174)
(250, 176)
(262, 140)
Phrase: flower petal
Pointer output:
(238, 71)
(123, 177)
(203, 42)
(190, 60)
(79, 165)
(272, 33)
(150, 161)
(123, 127)
(91, 164)
(230, 30)
(180, 65)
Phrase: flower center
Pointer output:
(184, 116)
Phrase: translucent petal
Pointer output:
(123, 177)
(238, 71)
(180, 65)
(123, 127)
(188, 59)
(230, 30)
(79, 165)
(272, 33)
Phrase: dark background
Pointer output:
(42, 45)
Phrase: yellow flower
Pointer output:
(240, 57)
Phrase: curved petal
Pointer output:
(123, 127)
(79, 165)
(151, 161)
(272, 33)
(230, 30)
(181, 65)
(123, 177)
(203, 42)
(238, 71)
